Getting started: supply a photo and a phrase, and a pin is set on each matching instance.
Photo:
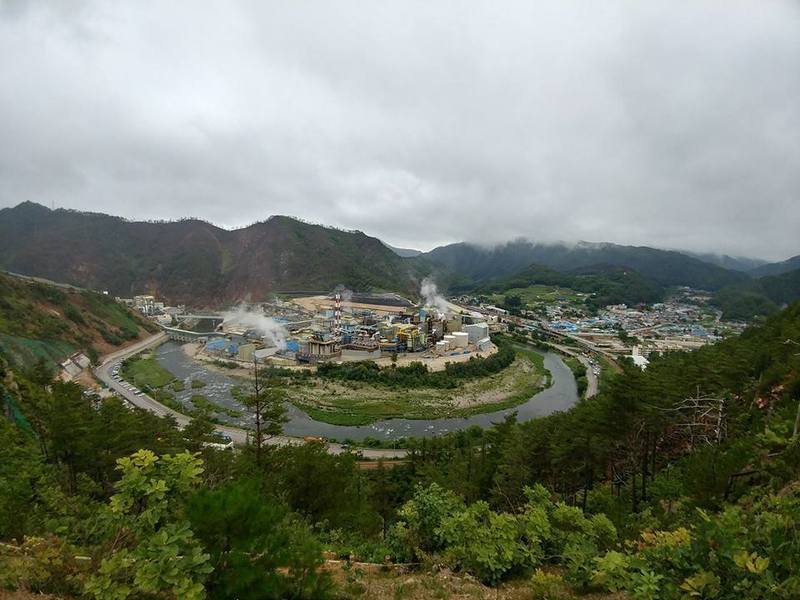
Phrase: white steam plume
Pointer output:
(346, 294)
(430, 292)
(273, 333)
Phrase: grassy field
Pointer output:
(534, 294)
(355, 403)
(144, 371)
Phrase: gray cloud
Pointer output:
(674, 125)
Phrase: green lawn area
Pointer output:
(144, 371)
(355, 403)
(534, 294)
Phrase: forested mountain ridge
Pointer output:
(763, 296)
(667, 268)
(194, 262)
(734, 263)
(778, 268)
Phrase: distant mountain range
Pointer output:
(194, 262)
(735, 263)
(404, 252)
(667, 268)
(777, 268)
(197, 263)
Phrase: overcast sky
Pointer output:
(667, 123)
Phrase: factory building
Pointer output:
(246, 352)
(477, 332)
(484, 344)
(322, 328)
(318, 348)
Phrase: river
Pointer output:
(561, 395)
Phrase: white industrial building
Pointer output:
(460, 339)
(484, 344)
(637, 358)
(477, 332)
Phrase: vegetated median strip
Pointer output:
(578, 371)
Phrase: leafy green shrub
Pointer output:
(111, 338)
(748, 552)
(416, 534)
(546, 586)
(160, 556)
(226, 364)
(73, 314)
(612, 571)
(41, 565)
(578, 557)
(484, 543)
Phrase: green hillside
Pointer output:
(43, 321)
(758, 297)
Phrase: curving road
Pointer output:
(592, 379)
(239, 436)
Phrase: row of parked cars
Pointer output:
(219, 440)
(117, 377)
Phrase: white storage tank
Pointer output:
(484, 344)
(441, 347)
(461, 339)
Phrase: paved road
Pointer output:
(593, 383)
(239, 436)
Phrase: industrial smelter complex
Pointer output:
(338, 327)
